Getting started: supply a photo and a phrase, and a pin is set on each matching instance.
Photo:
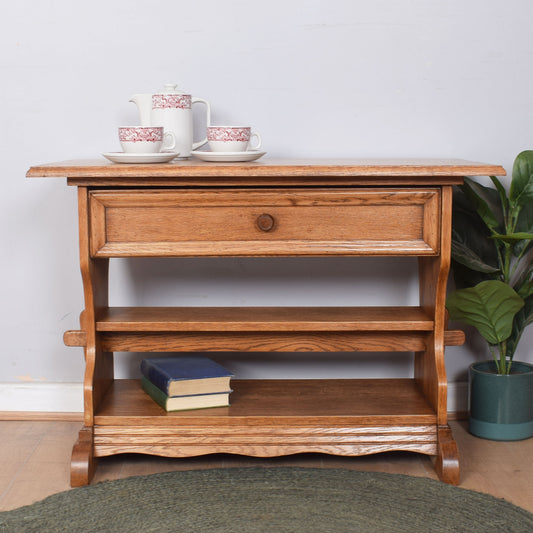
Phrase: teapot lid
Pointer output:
(171, 88)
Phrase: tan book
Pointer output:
(182, 403)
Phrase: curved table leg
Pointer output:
(447, 465)
(83, 463)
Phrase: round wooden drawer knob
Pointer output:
(265, 222)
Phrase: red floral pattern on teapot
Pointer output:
(171, 101)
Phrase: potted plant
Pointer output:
(492, 265)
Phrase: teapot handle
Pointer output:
(208, 110)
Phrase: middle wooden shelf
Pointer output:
(264, 319)
(263, 329)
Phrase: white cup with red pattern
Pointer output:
(232, 138)
(146, 139)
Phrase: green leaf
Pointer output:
(490, 307)
(523, 318)
(526, 290)
(465, 277)
(503, 194)
(528, 311)
(466, 256)
(512, 237)
(469, 232)
(524, 223)
(521, 191)
(487, 203)
(523, 281)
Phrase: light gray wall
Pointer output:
(343, 78)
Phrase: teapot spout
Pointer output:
(144, 104)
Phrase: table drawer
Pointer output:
(274, 222)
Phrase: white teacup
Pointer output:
(231, 138)
(145, 139)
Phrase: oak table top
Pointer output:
(269, 172)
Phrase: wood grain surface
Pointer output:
(267, 208)
(269, 171)
(226, 222)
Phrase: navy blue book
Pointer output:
(185, 375)
(182, 403)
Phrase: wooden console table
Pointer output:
(267, 208)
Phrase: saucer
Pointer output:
(228, 157)
(123, 157)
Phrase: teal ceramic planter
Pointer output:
(501, 406)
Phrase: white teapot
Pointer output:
(172, 109)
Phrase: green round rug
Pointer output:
(269, 500)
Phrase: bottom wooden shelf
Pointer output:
(362, 401)
(272, 418)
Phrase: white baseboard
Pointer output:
(68, 397)
(458, 397)
(42, 397)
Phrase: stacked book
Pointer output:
(186, 382)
